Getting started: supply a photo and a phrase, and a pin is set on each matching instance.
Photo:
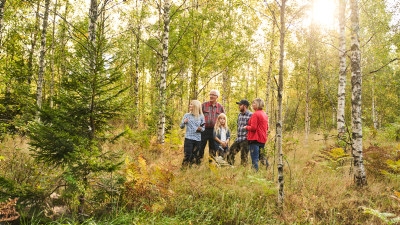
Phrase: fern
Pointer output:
(146, 186)
(387, 218)
(335, 158)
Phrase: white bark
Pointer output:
(279, 124)
(271, 60)
(341, 128)
(33, 43)
(136, 79)
(356, 82)
(164, 70)
(39, 90)
(374, 112)
(2, 4)
(307, 109)
(93, 15)
(52, 55)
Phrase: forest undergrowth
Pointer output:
(151, 187)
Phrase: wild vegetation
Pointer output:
(150, 187)
(91, 94)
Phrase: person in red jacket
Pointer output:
(257, 129)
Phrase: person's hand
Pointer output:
(224, 144)
(186, 120)
(198, 129)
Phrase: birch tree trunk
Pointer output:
(268, 91)
(226, 84)
(39, 90)
(310, 50)
(63, 41)
(135, 73)
(33, 43)
(279, 124)
(136, 79)
(374, 112)
(341, 126)
(163, 73)
(360, 178)
(195, 56)
(2, 4)
(52, 54)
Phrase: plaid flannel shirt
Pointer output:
(242, 121)
(211, 113)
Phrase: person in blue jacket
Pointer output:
(222, 135)
(194, 123)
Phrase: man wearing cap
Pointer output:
(241, 143)
(211, 110)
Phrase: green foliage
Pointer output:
(72, 134)
(146, 187)
(382, 160)
(393, 171)
(21, 177)
(139, 137)
(391, 132)
(335, 158)
(387, 218)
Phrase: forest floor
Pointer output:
(318, 186)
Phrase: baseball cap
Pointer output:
(243, 102)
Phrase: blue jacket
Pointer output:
(228, 136)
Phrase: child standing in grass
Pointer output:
(194, 122)
(222, 136)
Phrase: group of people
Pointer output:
(207, 123)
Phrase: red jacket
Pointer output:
(257, 127)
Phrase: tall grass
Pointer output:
(315, 191)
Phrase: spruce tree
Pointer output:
(71, 135)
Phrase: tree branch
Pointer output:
(377, 70)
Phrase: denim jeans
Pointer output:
(190, 150)
(255, 153)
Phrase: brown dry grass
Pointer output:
(314, 192)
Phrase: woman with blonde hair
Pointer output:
(257, 129)
(222, 135)
(194, 122)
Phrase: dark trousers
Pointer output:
(207, 135)
(243, 148)
(190, 150)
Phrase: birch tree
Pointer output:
(360, 178)
(34, 35)
(311, 39)
(52, 54)
(39, 88)
(279, 124)
(163, 73)
(139, 12)
(341, 127)
(2, 4)
(269, 75)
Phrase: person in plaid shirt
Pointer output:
(241, 143)
(211, 111)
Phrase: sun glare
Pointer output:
(323, 13)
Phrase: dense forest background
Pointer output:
(92, 93)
